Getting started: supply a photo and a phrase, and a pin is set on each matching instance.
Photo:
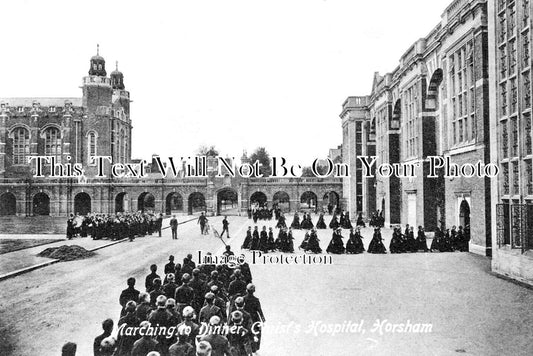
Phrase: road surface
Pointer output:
(449, 303)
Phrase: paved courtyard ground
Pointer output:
(469, 310)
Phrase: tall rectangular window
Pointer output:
(462, 98)
(52, 143)
(410, 121)
(505, 178)
(21, 145)
(504, 140)
(92, 145)
(527, 134)
(514, 137)
(512, 57)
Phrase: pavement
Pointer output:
(354, 306)
(26, 260)
(16, 262)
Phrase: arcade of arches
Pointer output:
(233, 199)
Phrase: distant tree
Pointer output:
(308, 172)
(209, 151)
(260, 154)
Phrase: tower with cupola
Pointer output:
(121, 123)
(97, 101)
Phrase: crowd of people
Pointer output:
(191, 310)
(262, 212)
(114, 226)
(266, 241)
(191, 296)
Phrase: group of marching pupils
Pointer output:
(114, 226)
(445, 240)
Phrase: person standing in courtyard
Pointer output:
(146, 343)
(128, 294)
(202, 220)
(336, 244)
(421, 242)
(252, 306)
(248, 240)
(170, 267)
(355, 243)
(174, 227)
(225, 229)
(159, 224)
(376, 245)
(149, 282)
(107, 326)
(69, 349)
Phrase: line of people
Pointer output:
(262, 212)
(450, 241)
(454, 240)
(114, 226)
(264, 241)
(184, 303)
(306, 223)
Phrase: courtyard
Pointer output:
(408, 304)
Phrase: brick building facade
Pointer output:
(511, 137)
(70, 129)
(74, 129)
(435, 103)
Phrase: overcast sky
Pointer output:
(235, 74)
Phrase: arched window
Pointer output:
(52, 143)
(92, 144)
(21, 145)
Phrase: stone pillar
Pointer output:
(210, 195)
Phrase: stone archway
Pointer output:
(173, 203)
(259, 198)
(309, 201)
(41, 204)
(82, 203)
(464, 214)
(196, 203)
(122, 202)
(146, 202)
(8, 204)
(283, 201)
(227, 202)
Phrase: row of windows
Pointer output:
(514, 223)
(508, 20)
(21, 109)
(514, 98)
(53, 145)
(120, 146)
(21, 144)
(511, 179)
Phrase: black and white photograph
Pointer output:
(266, 178)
